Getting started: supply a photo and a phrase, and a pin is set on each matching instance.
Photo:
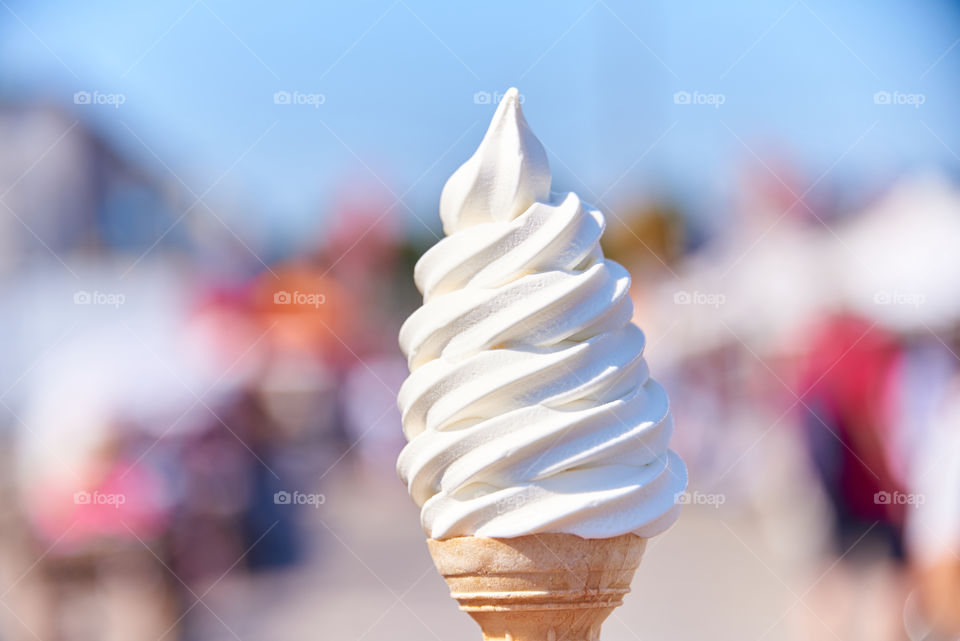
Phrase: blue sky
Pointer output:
(398, 80)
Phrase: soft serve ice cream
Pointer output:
(529, 407)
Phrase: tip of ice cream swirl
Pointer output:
(507, 173)
(529, 407)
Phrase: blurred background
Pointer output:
(209, 214)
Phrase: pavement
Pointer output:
(712, 575)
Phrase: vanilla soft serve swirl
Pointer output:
(529, 407)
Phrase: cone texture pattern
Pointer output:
(541, 587)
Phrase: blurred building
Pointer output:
(65, 190)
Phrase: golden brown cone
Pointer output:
(540, 587)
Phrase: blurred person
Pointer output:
(846, 392)
(96, 521)
(933, 527)
(269, 434)
(94, 513)
(218, 493)
(846, 380)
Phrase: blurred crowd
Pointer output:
(174, 399)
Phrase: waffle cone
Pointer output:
(541, 587)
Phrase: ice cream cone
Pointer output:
(540, 587)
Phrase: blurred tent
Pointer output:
(755, 286)
(896, 263)
(901, 262)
